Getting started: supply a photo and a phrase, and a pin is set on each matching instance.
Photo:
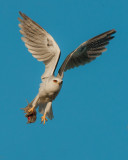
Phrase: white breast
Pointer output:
(48, 91)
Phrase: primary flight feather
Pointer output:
(44, 48)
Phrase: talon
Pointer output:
(43, 118)
(31, 110)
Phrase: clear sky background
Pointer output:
(91, 112)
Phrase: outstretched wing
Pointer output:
(41, 44)
(86, 52)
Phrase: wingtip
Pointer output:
(113, 31)
(20, 13)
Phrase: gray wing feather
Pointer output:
(41, 44)
(87, 52)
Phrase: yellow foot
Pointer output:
(43, 118)
(31, 110)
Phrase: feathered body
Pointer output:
(49, 89)
(44, 48)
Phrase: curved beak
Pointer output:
(60, 83)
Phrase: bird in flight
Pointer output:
(44, 48)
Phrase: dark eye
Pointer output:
(55, 81)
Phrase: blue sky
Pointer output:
(91, 112)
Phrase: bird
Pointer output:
(44, 48)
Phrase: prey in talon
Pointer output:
(31, 116)
(44, 48)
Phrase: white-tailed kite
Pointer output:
(44, 48)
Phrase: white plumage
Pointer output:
(44, 48)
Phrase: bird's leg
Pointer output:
(47, 111)
(31, 110)
(43, 118)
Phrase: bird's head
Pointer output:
(57, 81)
(53, 84)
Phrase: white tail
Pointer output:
(46, 108)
